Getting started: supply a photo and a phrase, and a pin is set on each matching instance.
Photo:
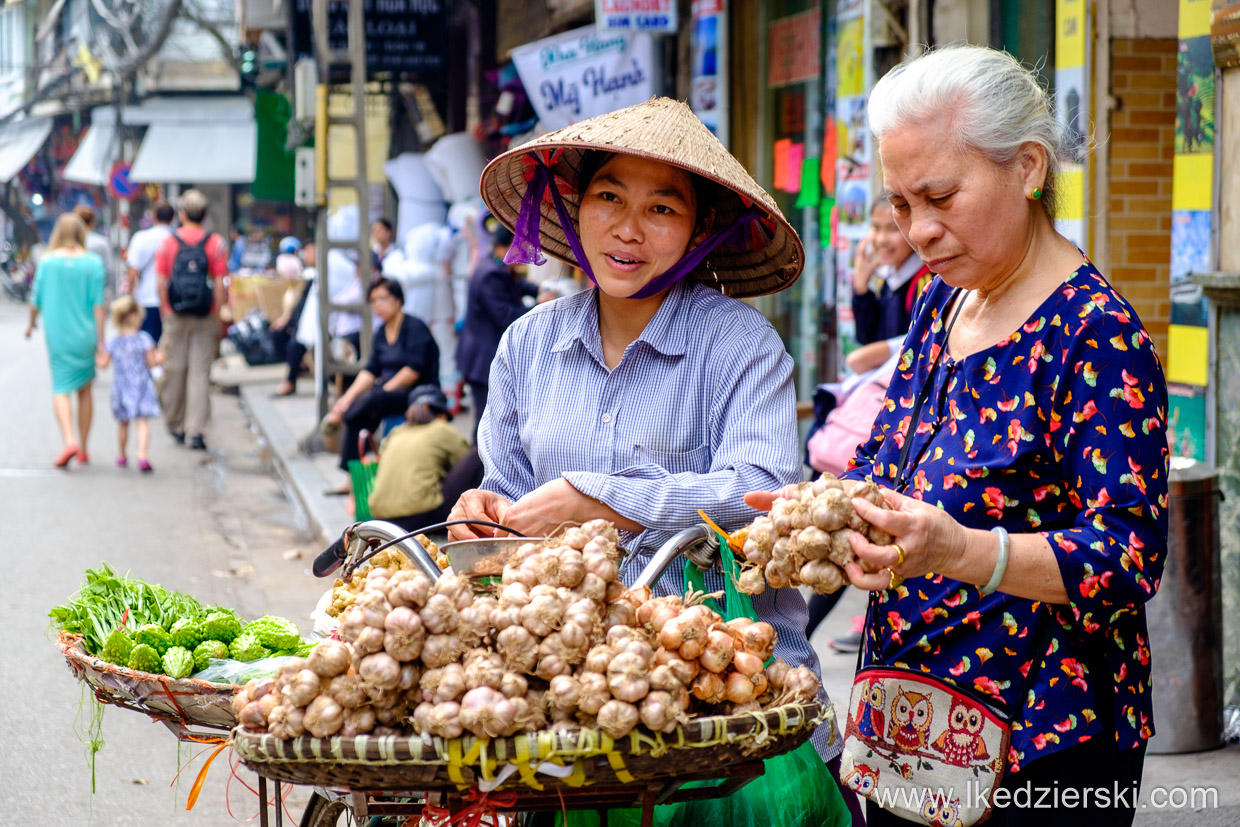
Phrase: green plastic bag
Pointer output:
(796, 790)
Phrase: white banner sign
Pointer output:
(582, 73)
(635, 15)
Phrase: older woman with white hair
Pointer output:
(1023, 457)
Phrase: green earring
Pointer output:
(1037, 193)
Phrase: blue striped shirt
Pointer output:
(700, 410)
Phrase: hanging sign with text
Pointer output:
(401, 35)
(635, 16)
(583, 73)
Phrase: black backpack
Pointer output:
(190, 287)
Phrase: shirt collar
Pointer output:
(665, 332)
(902, 274)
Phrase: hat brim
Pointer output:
(744, 270)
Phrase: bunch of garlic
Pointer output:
(804, 541)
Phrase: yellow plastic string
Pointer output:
(454, 761)
(578, 778)
(524, 765)
(617, 766)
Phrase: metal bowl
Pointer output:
(485, 557)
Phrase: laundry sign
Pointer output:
(585, 72)
(635, 15)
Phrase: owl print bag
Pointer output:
(923, 749)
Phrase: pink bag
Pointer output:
(847, 426)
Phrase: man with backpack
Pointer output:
(191, 265)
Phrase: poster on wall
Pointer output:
(849, 137)
(583, 73)
(1192, 187)
(1071, 108)
(708, 85)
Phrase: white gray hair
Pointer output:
(996, 106)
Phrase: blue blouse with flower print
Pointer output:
(1058, 429)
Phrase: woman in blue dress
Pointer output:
(69, 294)
(1021, 447)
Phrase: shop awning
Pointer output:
(197, 153)
(195, 139)
(19, 142)
(95, 155)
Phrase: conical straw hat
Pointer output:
(663, 130)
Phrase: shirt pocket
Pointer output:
(696, 461)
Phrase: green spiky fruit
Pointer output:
(117, 648)
(274, 632)
(153, 635)
(206, 650)
(221, 625)
(246, 647)
(178, 662)
(144, 658)
(186, 632)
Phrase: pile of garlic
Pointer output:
(804, 541)
(563, 643)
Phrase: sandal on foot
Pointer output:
(121, 462)
(144, 466)
(62, 459)
(82, 457)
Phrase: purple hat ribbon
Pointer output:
(527, 245)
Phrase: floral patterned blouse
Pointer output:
(1058, 429)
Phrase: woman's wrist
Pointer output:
(976, 560)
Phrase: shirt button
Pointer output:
(606, 418)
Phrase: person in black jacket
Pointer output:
(496, 300)
(402, 355)
(887, 279)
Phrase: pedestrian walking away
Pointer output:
(190, 265)
(140, 261)
(651, 395)
(1026, 541)
(96, 243)
(69, 294)
(132, 354)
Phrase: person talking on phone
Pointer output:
(887, 279)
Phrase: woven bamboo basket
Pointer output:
(547, 759)
(186, 701)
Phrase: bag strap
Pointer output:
(924, 393)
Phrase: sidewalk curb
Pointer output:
(299, 476)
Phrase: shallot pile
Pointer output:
(804, 540)
(562, 643)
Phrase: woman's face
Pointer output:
(381, 234)
(637, 219)
(890, 246)
(968, 219)
(383, 304)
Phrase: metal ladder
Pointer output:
(332, 64)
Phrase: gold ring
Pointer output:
(899, 554)
(896, 580)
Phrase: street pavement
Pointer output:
(217, 525)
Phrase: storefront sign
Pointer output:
(401, 35)
(635, 15)
(708, 87)
(582, 73)
(793, 44)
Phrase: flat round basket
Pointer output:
(186, 701)
(560, 758)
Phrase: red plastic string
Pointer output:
(483, 805)
(233, 762)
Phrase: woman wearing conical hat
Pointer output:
(655, 393)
